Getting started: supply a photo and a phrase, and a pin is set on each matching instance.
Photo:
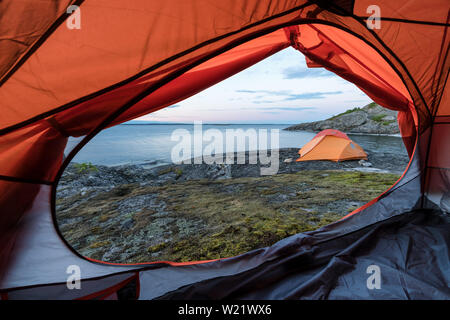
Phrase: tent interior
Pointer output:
(62, 82)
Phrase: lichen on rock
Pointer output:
(208, 218)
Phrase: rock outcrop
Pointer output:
(371, 119)
(203, 219)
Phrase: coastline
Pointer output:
(78, 175)
(153, 163)
(397, 135)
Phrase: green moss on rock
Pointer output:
(200, 219)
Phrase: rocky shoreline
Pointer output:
(77, 178)
(196, 211)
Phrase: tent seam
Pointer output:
(174, 57)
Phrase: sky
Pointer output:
(280, 90)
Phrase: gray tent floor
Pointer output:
(411, 252)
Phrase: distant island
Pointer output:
(370, 119)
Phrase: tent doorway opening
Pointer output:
(58, 83)
(123, 200)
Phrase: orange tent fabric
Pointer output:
(331, 145)
(131, 58)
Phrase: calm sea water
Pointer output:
(152, 144)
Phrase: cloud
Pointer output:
(247, 91)
(272, 112)
(266, 92)
(263, 101)
(298, 73)
(292, 109)
(272, 109)
(153, 116)
(280, 109)
(288, 96)
(311, 95)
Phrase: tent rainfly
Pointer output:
(331, 144)
(67, 73)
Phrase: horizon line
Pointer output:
(212, 123)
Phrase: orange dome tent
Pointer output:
(331, 144)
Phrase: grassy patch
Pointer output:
(378, 117)
(157, 247)
(178, 172)
(99, 244)
(165, 171)
(85, 167)
(346, 112)
(204, 219)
